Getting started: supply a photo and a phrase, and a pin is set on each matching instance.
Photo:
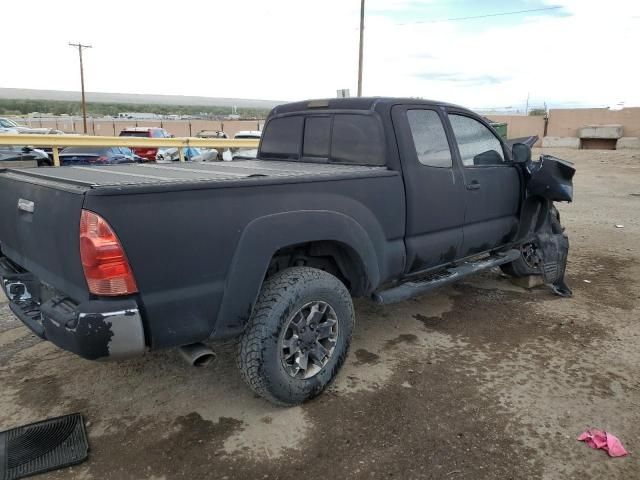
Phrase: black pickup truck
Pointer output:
(379, 197)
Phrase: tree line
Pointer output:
(63, 107)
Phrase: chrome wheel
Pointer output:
(308, 340)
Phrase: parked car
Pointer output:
(49, 150)
(7, 123)
(97, 156)
(211, 134)
(216, 134)
(363, 197)
(243, 153)
(191, 154)
(23, 153)
(149, 154)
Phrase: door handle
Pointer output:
(473, 186)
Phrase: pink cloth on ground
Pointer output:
(599, 439)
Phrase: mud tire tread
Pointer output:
(286, 287)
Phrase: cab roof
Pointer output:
(356, 103)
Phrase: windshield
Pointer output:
(6, 123)
(126, 133)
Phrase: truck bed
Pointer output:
(187, 228)
(125, 178)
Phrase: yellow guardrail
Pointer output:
(55, 142)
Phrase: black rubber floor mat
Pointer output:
(43, 446)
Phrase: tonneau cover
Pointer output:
(95, 177)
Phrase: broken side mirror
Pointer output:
(521, 153)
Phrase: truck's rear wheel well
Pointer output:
(335, 258)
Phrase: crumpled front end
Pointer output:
(550, 180)
(553, 248)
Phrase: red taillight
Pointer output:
(105, 264)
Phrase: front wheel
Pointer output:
(530, 261)
(298, 336)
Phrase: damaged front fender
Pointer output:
(554, 250)
(548, 180)
(551, 178)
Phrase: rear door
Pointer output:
(434, 185)
(492, 184)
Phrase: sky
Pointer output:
(582, 54)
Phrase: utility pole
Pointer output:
(361, 48)
(80, 46)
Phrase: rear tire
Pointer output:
(301, 313)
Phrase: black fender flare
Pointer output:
(263, 237)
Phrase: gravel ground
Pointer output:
(480, 380)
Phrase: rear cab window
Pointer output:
(281, 138)
(129, 133)
(357, 139)
(343, 138)
(317, 138)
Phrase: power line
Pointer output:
(500, 14)
(455, 19)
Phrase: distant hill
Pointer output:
(135, 98)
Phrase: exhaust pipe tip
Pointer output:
(198, 354)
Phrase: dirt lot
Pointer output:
(480, 380)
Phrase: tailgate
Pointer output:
(39, 224)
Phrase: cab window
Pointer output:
(281, 138)
(357, 139)
(429, 138)
(317, 137)
(478, 146)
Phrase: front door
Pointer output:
(434, 188)
(492, 185)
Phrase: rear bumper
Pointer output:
(149, 154)
(96, 329)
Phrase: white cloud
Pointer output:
(588, 57)
(292, 49)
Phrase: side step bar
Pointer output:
(418, 287)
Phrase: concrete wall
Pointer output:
(562, 123)
(521, 125)
(179, 128)
(566, 122)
